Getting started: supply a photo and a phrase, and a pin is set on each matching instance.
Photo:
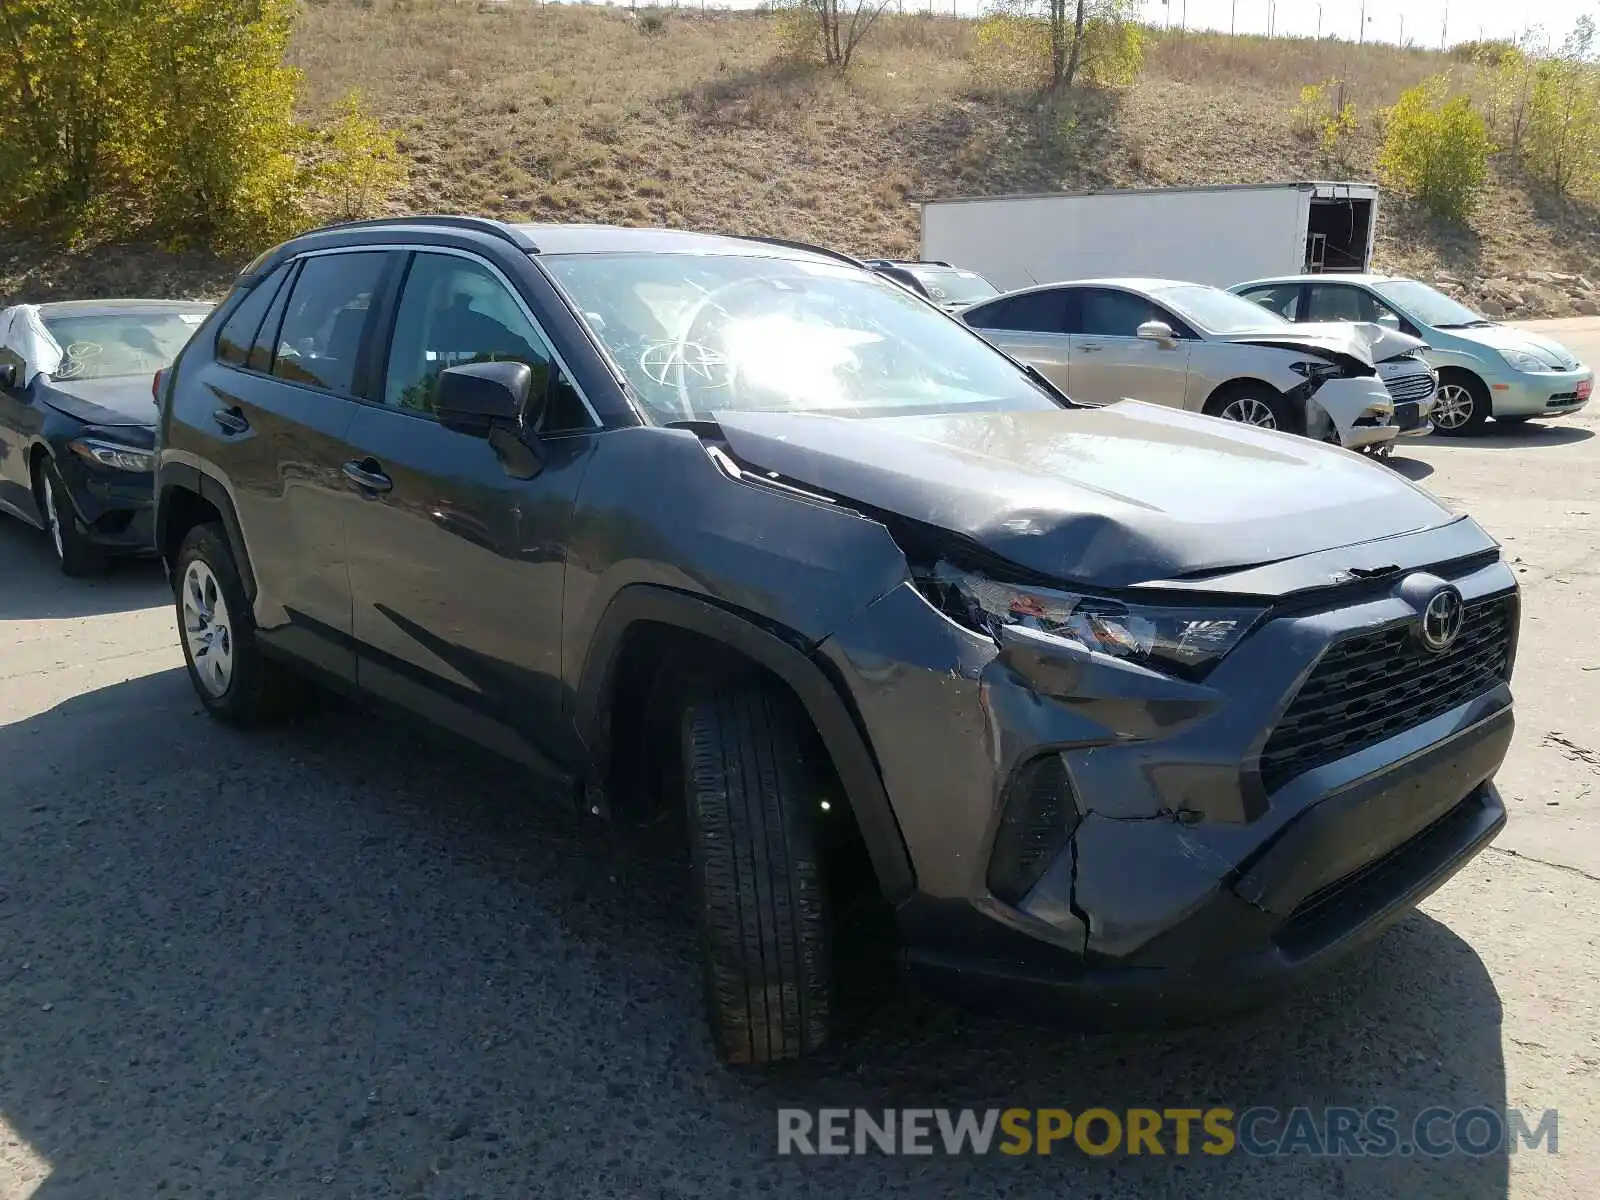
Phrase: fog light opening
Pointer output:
(1038, 820)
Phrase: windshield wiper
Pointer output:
(1480, 323)
(1043, 382)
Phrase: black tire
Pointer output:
(1468, 388)
(76, 555)
(259, 689)
(1230, 398)
(752, 780)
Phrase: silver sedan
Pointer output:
(1191, 346)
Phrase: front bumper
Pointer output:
(1194, 880)
(115, 508)
(1558, 394)
(1360, 410)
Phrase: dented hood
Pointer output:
(1366, 342)
(1112, 496)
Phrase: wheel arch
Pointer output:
(640, 612)
(185, 497)
(1232, 387)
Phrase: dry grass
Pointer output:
(567, 113)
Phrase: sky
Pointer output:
(1425, 22)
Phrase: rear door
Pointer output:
(458, 540)
(1110, 362)
(272, 417)
(1031, 326)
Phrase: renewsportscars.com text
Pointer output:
(1258, 1131)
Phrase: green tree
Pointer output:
(1436, 146)
(1062, 42)
(1562, 144)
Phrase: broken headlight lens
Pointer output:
(1186, 642)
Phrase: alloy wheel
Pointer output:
(1452, 408)
(52, 517)
(207, 629)
(1249, 411)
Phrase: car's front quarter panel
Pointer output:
(656, 509)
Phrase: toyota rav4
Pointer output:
(1136, 713)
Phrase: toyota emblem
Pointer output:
(1441, 619)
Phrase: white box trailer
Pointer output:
(1217, 235)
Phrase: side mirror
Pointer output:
(475, 397)
(1157, 331)
(8, 375)
(1389, 321)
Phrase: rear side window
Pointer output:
(239, 331)
(324, 324)
(1034, 312)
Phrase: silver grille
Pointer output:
(1410, 387)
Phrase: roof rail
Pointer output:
(488, 225)
(792, 244)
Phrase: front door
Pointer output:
(458, 541)
(20, 420)
(1110, 362)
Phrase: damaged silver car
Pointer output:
(1190, 346)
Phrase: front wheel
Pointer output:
(754, 785)
(76, 555)
(1253, 405)
(1461, 405)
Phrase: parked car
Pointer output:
(1193, 346)
(1486, 369)
(1122, 710)
(950, 287)
(77, 419)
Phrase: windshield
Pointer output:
(1426, 305)
(951, 285)
(699, 334)
(1217, 311)
(106, 345)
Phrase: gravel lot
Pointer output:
(329, 961)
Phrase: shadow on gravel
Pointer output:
(1531, 435)
(327, 959)
(32, 587)
(1413, 469)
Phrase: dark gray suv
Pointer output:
(1133, 712)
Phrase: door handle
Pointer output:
(1091, 347)
(230, 420)
(367, 474)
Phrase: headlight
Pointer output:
(112, 454)
(1186, 642)
(1317, 370)
(1521, 360)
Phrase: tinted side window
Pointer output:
(453, 311)
(320, 340)
(1341, 302)
(1115, 314)
(1283, 299)
(239, 331)
(1034, 312)
(267, 336)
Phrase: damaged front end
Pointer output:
(1344, 396)
(1082, 772)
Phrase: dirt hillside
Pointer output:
(697, 119)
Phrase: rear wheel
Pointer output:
(753, 782)
(1253, 404)
(76, 555)
(1461, 405)
(233, 679)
